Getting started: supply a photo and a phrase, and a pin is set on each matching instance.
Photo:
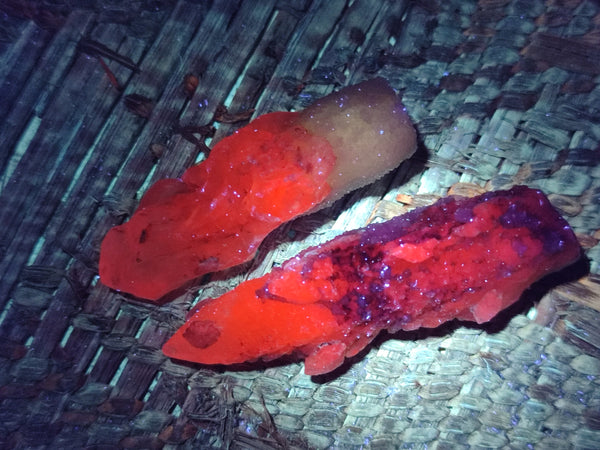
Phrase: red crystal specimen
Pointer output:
(459, 258)
(279, 166)
(188, 227)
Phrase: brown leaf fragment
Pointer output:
(466, 189)
(190, 84)
(138, 104)
(568, 206)
(586, 241)
(385, 210)
(224, 116)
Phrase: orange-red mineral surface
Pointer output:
(279, 166)
(461, 258)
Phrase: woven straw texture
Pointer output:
(501, 92)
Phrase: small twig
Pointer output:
(96, 49)
(189, 132)
(224, 116)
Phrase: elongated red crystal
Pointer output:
(279, 166)
(460, 258)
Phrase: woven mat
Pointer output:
(501, 92)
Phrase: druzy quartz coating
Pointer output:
(279, 166)
(460, 258)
